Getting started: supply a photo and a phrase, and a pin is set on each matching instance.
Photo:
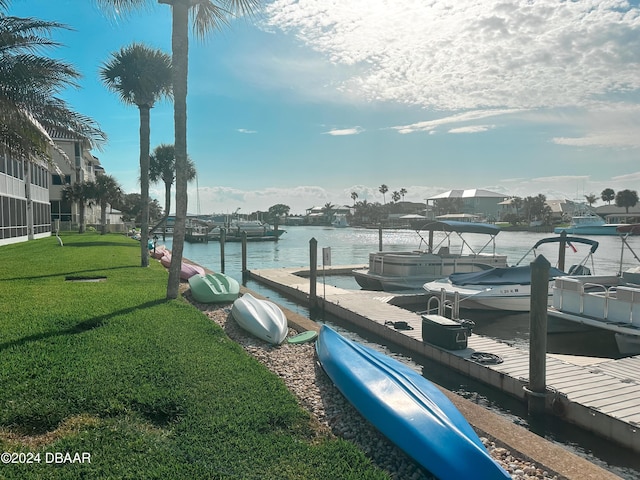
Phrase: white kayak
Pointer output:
(261, 318)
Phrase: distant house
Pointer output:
(614, 214)
(318, 216)
(561, 210)
(483, 203)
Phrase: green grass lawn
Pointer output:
(149, 388)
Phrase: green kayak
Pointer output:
(214, 288)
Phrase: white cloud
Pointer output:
(244, 130)
(472, 129)
(465, 54)
(460, 118)
(345, 131)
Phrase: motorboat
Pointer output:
(506, 288)
(214, 288)
(261, 318)
(407, 408)
(253, 230)
(606, 302)
(586, 222)
(409, 270)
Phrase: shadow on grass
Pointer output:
(80, 327)
(103, 243)
(75, 273)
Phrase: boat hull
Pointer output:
(261, 318)
(214, 288)
(411, 411)
(512, 298)
(607, 229)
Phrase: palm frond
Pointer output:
(209, 16)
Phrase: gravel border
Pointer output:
(298, 367)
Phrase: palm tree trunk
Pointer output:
(167, 208)
(103, 217)
(180, 52)
(144, 184)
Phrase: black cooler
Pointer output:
(445, 333)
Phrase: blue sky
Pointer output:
(311, 100)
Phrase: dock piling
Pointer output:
(244, 257)
(223, 236)
(313, 272)
(537, 388)
(562, 250)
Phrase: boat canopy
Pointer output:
(594, 244)
(500, 276)
(461, 227)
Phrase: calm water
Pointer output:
(351, 246)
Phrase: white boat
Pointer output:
(409, 270)
(340, 221)
(586, 222)
(606, 302)
(504, 288)
(254, 229)
(261, 318)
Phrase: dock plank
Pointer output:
(604, 387)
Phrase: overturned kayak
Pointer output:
(187, 270)
(261, 318)
(411, 411)
(214, 288)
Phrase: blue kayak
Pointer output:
(408, 409)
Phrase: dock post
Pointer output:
(244, 257)
(380, 237)
(562, 250)
(537, 388)
(223, 237)
(313, 271)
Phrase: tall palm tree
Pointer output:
(403, 192)
(140, 76)
(354, 197)
(162, 167)
(82, 194)
(208, 15)
(107, 192)
(328, 210)
(29, 83)
(383, 189)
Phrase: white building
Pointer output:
(25, 212)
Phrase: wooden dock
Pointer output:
(599, 395)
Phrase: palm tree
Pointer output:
(140, 76)
(383, 190)
(591, 199)
(107, 192)
(607, 195)
(82, 194)
(626, 198)
(29, 83)
(208, 15)
(162, 167)
(328, 210)
(354, 197)
(395, 196)
(403, 192)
